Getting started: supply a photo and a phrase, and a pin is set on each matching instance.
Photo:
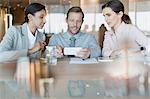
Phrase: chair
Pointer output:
(101, 34)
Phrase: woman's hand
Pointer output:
(126, 53)
(118, 53)
(59, 51)
(37, 47)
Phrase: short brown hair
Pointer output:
(77, 10)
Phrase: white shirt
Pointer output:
(125, 34)
(31, 37)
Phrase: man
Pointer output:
(87, 42)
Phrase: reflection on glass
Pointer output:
(22, 74)
(11, 90)
(51, 55)
(141, 89)
(46, 89)
(102, 88)
(76, 88)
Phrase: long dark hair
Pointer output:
(126, 19)
(32, 9)
(117, 6)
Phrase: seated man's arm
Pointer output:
(54, 42)
(94, 47)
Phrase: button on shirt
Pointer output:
(31, 37)
(83, 40)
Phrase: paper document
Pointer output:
(71, 50)
(104, 59)
(81, 61)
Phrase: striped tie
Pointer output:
(72, 41)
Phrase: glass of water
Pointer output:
(51, 55)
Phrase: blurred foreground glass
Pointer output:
(51, 55)
(20, 86)
(76, 88)
(46, 87)
(147, 55)
(147, 51)
(23, 73)
(11, 90)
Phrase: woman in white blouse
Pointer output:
(121, 36)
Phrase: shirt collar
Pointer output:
(30, 35)
(68, 36)
(119, 29)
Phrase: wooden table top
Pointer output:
(120, 78)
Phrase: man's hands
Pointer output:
(84, 53)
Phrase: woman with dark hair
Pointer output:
(25, 40)
(126, 19)
(121, 36)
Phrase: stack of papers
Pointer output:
(81, 61)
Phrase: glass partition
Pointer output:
(139, 11)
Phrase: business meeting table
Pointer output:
(73, 78)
